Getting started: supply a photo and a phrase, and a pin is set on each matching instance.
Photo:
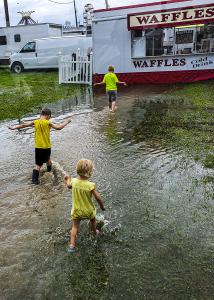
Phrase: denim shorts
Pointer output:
(112, 95)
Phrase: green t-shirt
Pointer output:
(82, 204)
(110, 79)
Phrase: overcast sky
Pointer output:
(49, 12)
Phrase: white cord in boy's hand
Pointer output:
(11, 127)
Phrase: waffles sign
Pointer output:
(170, 18)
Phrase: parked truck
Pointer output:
(13, 38)
(44, 53)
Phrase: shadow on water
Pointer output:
(157, 240)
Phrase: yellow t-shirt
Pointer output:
(42, 134)
(110, 79)
(82, 204)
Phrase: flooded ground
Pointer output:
(158, 238)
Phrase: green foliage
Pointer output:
(209, 161)
(208, 179)
(182, 118)
(201, 94)
(21, 93)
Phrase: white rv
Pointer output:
(13, 38)
(44, 53)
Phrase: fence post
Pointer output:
(60, 67)
(91, 68)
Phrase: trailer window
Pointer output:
(154, 42)
(17, 38)
(148, 42)
(3, 40)
(197, 38)
(29, 47)
(204, 40)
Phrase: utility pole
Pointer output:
(107, 5)
(6, 14)
(75, 11)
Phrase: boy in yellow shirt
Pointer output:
(42, 140)
(82, 203)
(110, 80)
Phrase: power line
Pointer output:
(61, 2)
(75, 10)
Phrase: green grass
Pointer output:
(21, 93)
(182, 118)
(201, 94)
(194, 130)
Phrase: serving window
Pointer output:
(175, 40)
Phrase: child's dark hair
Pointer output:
(46, 112)
(111, 69)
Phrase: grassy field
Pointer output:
(186, 122)
(20, 93)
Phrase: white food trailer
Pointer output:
(157, 42)
(13, 38)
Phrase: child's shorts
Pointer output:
(112, 95)
(42, 156)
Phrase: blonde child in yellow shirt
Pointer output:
(42, 140)
(110, 80)
(83, 207)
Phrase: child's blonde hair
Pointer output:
(84, 168)
(111, 69)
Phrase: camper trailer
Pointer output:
(44, 53)
(13, 38)
(157, 42)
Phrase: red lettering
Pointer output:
(154, 19)
(166, 63)
(199, 13)
(165, 17)
(182, 62)
(143, 20)
(210, 12)
(175, 62)
(145, 64)
(152, 63)
(137, 63)
(175, 16)
(185, 15)
(160, 62)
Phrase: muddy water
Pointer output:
(157, 240)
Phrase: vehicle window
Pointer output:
(29, 47)
(17, 38)
(3, 40)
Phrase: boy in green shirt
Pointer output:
(110, 80)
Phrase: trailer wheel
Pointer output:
(17, 67)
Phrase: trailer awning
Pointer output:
(172, 17)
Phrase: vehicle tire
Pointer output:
(17, 67)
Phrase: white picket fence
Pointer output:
(75, 68)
